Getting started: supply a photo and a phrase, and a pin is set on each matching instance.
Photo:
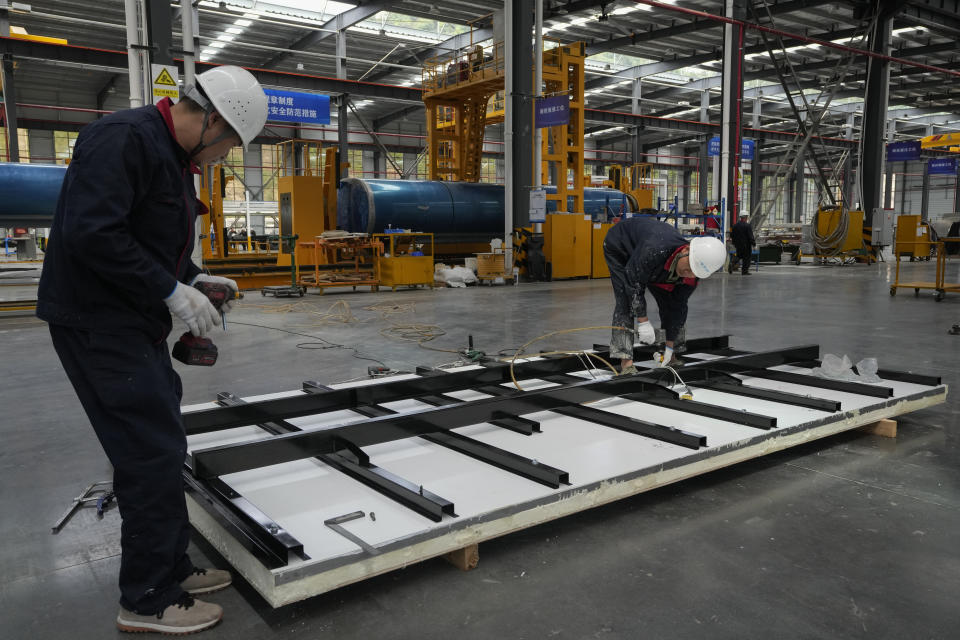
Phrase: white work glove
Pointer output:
(202, 277)
(666, 357)
(646, 333)
(193, 308)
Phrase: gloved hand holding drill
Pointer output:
(200, 304)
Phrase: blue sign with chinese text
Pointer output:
(746, 148)
(903, 151)
(553, 112)
(942, 166)
(293, 106)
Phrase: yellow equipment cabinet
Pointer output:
(598, 268)
(829, 219)
(567, 245)
(301, 197)
(913, 238)
(407, 259)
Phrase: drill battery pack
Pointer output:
(190, 349)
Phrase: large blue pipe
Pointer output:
(469, 211)
(29, 193)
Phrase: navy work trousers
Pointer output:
(131, 395)
(744, 255)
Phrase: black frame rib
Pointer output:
(266, 539)
(400, 490)
(723, 382)
(888, 374)
(217, 461)
(322, 401)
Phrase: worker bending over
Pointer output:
(644, 253)
(117, 265)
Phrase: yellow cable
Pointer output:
(513, 360)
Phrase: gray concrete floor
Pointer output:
(851, 537)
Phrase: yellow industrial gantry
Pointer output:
(464, 92)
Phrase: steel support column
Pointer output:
(521, 100)
(875, 112)
(956, 192)
(756, 175)
(903, 188)
(636, 148)
(703, 178)
(925, 193)
(10, 109)
(159, 31)
(798, 186)
(343, 134)
(343, 105)
(731, 119)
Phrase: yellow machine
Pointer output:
(638, 186)
(912, 238)
(567, 245)
(598, 264)
(838, 235)
(407, 259)
(308, 207)
(300, 191)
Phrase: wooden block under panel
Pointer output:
(464, 559)
(886, 428)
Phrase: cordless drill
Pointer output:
(194, 350)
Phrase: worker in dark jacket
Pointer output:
(743, 242)
(117, 265)
(643, 253)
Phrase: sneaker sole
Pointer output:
(213, 589)
(148, 627)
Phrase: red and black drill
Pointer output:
(194, 350)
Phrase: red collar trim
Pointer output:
(164, 108)
(673, 256)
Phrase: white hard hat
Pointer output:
(237, 96)
(706, 256)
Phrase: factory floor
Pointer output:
(855, 536)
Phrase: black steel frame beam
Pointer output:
(727, 383)
(398, 489)
(889, 374)
(810, 381)
(265, 538)
(207, 420)
(225, 459)
(634, 426)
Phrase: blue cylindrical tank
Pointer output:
(29, 193)
(464, 210)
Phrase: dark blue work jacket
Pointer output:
(123, 230)
(641, 250)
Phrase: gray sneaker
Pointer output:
(206, 581)
(184, 616)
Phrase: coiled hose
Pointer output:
(830, 244)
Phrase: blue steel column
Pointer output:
(875, 112)
(521, 99)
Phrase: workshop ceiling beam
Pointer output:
(446, 47)
(314, 37)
